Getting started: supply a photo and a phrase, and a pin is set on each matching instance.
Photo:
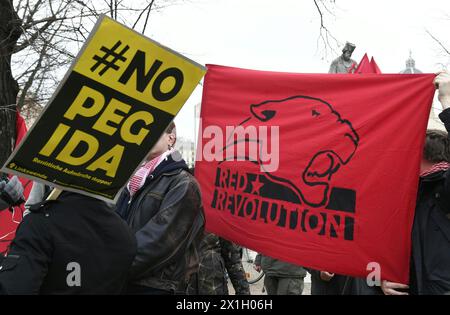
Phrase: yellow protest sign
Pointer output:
(114, 103)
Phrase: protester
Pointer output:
(72, 245)
(163, 207)
(11, 192)
(219, 259)
(281, 278)
(430, 261)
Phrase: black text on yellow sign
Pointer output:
(112, 120)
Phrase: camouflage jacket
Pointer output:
(219, 257)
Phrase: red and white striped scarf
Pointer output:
(441, 166)
(138, 179)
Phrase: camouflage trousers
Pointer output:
(283, 286)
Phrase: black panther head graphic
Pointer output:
(315, 142)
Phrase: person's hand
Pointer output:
(12, 191)
(326, 276)
(391, 288)
(442, 82)
(257, 267)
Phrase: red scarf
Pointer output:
(441, 166)
(138, 179)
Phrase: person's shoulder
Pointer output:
(185, 176)
(192, 181)
(182, 180)
(42, 208)
(63, 209)
(36, 223)
(44, 213)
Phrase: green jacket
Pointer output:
(277, 268)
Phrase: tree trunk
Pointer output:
(9, 34)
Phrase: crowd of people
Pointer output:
(153, 241)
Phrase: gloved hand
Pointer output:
(442, 82)
(12, 191)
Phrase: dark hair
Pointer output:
(170, 127)
(436, 147)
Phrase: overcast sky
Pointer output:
(282, 35)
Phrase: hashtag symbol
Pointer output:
(103, 60)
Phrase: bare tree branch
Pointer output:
(438, 42)
(326, 38)
(148, 15)
(29, 40)
(148, 7)
(31, 77)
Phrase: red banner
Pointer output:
(314, 169)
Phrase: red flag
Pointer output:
(375, 67)
(10, 220)
(314, 169)
(21, 128)
(364, 65)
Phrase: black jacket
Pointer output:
(333, 287)
(167, 217)
(341, 285)
(430, 262)
(72, 245)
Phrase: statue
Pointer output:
(344, 63)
